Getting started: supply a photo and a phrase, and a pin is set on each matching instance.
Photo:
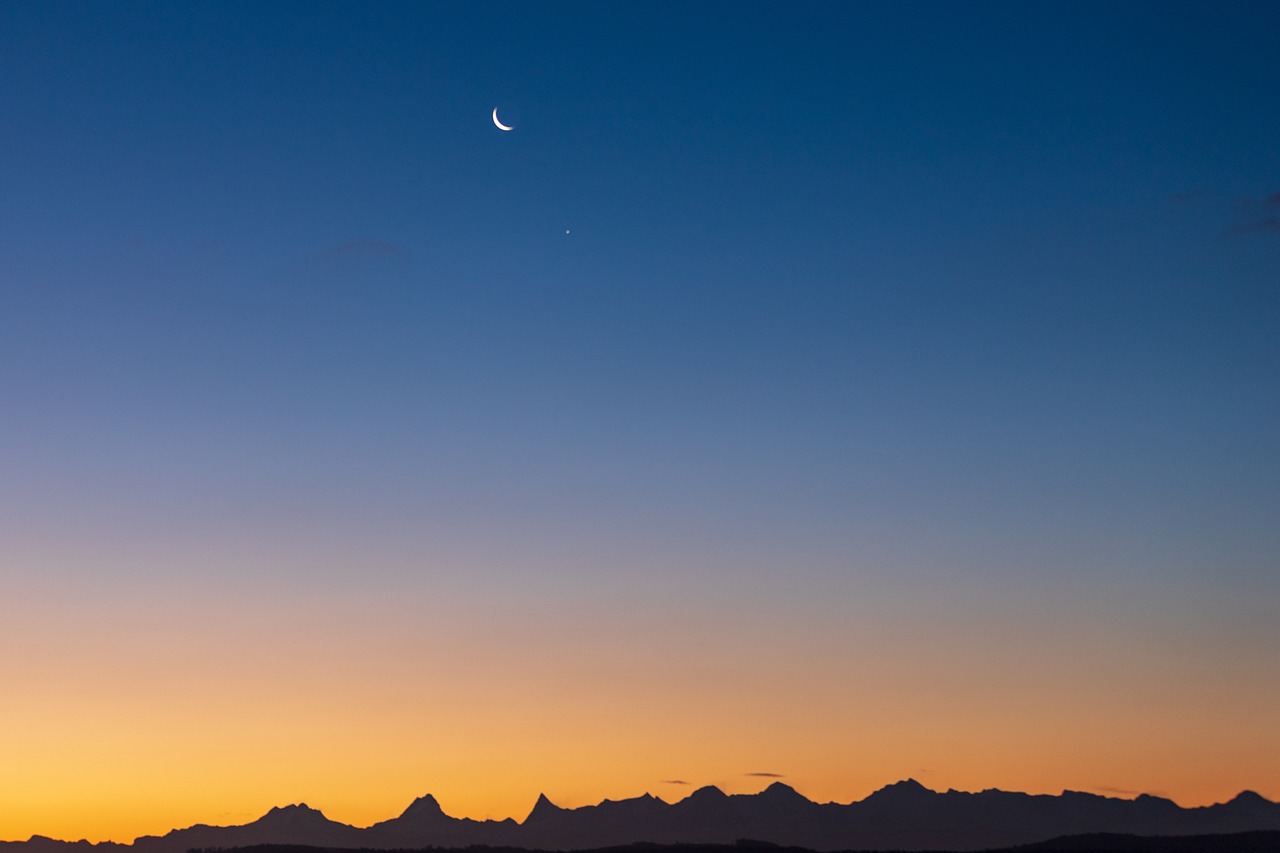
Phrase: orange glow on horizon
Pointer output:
(358, 705)
(145, 748)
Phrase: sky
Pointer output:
(842, 391)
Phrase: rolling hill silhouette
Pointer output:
(902, 816)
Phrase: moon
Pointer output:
(500, 125)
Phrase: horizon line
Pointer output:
(1111, 794)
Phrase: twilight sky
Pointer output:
(846, 392)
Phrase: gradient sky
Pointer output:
(846, 392)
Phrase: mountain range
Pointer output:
(902, 816)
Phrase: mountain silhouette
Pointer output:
(903, 816)
(296, 824)
(424, 823)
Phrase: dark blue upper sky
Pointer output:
(951, 249)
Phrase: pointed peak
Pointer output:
(543, 808)
(642, 799)
(424, 805)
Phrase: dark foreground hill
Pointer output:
(1243, 842)
(1239, 842)
(903, 816)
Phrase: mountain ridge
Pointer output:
(904, 815)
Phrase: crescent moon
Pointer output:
(500, 125)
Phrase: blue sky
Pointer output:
(822, 304)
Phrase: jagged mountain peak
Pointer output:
(424, 806)
(543, 809)
(297, 811)
(781, 790)
(908, 789)
(1153, 800)
(424, 803)
(641, 800)
(708, 792)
